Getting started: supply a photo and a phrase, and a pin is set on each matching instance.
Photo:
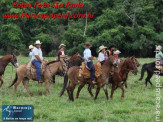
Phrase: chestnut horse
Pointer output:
(122, 75)
(75, 77)
(51, 69)
(4, 61)
(134, 62)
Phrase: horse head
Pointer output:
(13, 60)
(135, 61)
(130, 66)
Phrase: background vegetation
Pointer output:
(137, 106)
(134, 26)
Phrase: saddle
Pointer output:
(31, 69)
(86, 72)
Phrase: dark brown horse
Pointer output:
(75, 78)
(4, 61)
(122, 75)
(75, 60)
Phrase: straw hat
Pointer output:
(101, 48)
(31, 47)
(62, 45)
(87, 45)
(159, 47)
(38, 42)
(117, 52)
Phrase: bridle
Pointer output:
(12, 60)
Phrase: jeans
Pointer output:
(37, 64)
(92, 69)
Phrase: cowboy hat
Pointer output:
(101, 48)
(37, 42)
(117, 52)
(31, 47)
(62, 45)
(87, 45)
(159, 47)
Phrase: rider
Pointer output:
(111, 50)
(101, 55)
(37, 59)
(30, 51)
(88, 58)
(159, 55)
(116, 53)
(61, 53)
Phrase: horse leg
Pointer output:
(97, 92)
(1, 81)
(90, 91)
(54, 79)
(112, 91)
(148, 78)
(125, 83)
(79, 89)
(25, 84)
(72, 91)
(106, 91)
(17, 83)
(47, 86)
(119, 85)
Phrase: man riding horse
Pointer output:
(88, 59)
(37, 59)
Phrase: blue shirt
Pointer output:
(87, 54)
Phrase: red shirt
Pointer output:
(59, 53)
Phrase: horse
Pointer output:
(4, 61)
(75, 60)
(122, 75)
(150, 68)
(118, 77)
(51, 69)
(75, 77)
(134, 62)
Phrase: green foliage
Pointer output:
(131, 25)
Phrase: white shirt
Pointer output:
(101, 57)
(30, 55)
(87, 54)
(35, 52)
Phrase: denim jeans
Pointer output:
(37, 64)
(92, 69)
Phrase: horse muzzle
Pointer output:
(135, 71)
(16, 65)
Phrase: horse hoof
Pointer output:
(122, 97)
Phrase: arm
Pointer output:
(38, 58)
(161, 55)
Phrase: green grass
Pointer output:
(137, 106)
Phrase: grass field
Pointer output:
(137, 106)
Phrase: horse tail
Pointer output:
(14, 81)
(143, 71)
(64, 85)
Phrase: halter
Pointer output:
(12, 60)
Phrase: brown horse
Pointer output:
(75, 60)
(122, 75)
(4, 61)
(124, 67)
(51, 69)
(75, 76)
(134, 62)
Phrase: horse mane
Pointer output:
(51, 62)
(74, 57)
